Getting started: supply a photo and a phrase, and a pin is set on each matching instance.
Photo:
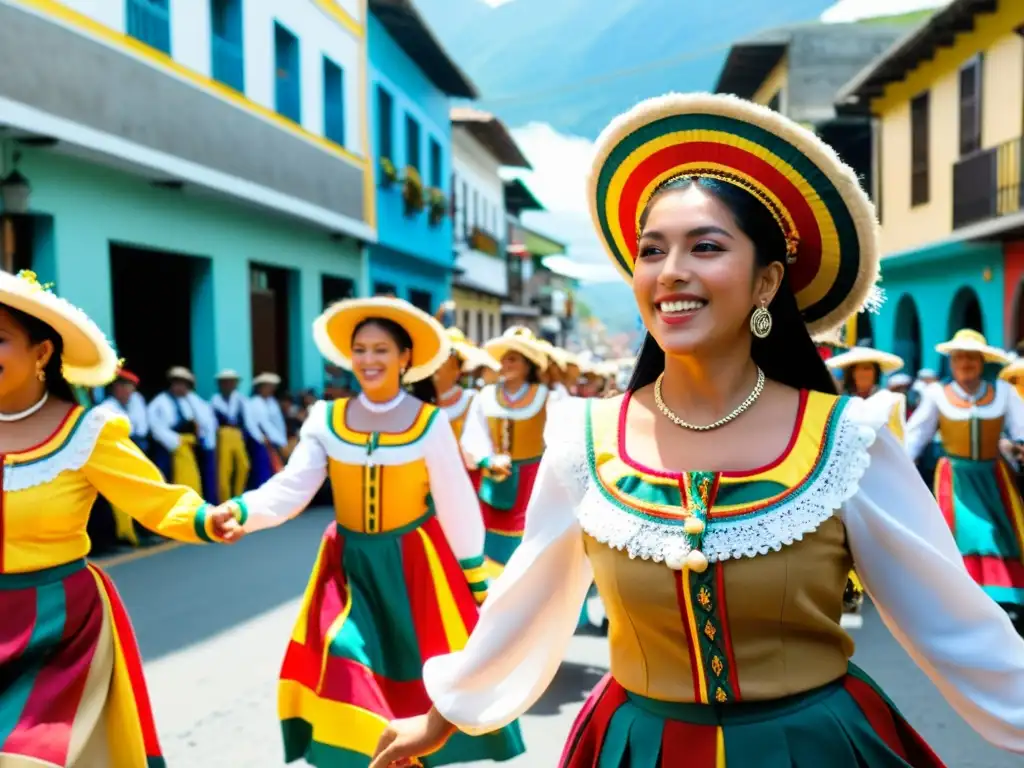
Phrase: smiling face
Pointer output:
(696, 280)
(19, 358)
(514, 368)
(377, 362)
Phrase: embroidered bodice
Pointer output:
(382, 482)
(497, 426)
(969, 428)
(763, 620)
(48, 492)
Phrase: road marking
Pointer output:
(139, 554)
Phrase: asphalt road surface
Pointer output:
(213, 622)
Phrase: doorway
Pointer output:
(422, 300)
(152, 326)
(908, 334)
(269, 306)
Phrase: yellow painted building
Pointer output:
(947, 104)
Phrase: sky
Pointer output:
(561, 163)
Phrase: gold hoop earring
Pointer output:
(761, 321)
(41, 372)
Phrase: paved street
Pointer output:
(213, 622)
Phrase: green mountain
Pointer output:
(577, 63)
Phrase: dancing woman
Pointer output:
(72, 693)
(504, 437)
(974, 485)
(721, 501)
(400, 571)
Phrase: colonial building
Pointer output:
(200, 175)
(948, 105)
(798, 70)
(481, 146)
(411, 82)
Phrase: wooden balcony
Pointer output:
(988, 184)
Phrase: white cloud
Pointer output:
(854, 10)
(559, 181)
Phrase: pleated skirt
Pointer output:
(846, 724)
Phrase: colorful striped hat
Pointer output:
(829, 223)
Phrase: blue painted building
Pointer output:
(206, 188)
(412, 80)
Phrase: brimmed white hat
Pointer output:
(967, 340)
(182, 373)
(226, 375)
(1014, 368)
(479, 358)
(267, 378)
(884, 360)
(554, 354)
(518, 339)
(333, 330)
(89, 359)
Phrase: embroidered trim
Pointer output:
(996, 409)
(494, 410)
(837, 479)
(72, 456)
(318, 427)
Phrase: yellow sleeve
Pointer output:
(898, 419)
(120, 471)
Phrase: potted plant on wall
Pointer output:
(437, 205)
(388, 172)
(412, 191)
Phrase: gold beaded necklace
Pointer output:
(667, 412)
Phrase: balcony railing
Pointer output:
(988, 184)
(150, 22)
(229, 64)
(484, 242)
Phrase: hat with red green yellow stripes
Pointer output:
(829, 223)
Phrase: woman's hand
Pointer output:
(224, 521)
(500, 467)
(410, 738)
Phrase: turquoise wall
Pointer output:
(937, 281)
(93, 206)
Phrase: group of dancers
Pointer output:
(719, 504)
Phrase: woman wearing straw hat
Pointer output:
(862, 369)
(71, 686)
(504, 437)
(452, 397)
(974, 485)
(721, 501)
(554, 372)
(400, 573)
(1013, 374)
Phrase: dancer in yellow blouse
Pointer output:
(504, 436)
(400, 571)
(72, 692)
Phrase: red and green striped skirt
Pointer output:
(503, 505)
(71, 686)
(376, 608)
(846, 724)
(983, 508)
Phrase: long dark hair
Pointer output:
(423, 389)
(38, 332)
(848, 384)
(787, 355)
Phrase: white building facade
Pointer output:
(214, 148)
(481, 146)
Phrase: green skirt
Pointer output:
(845, 724)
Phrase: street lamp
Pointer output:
(14, 195)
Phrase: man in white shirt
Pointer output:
(266, 415)
(183, 428)
(236, 432)
(123, 397)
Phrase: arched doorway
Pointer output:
(965, 312)
(907, 339)
(865, 330)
